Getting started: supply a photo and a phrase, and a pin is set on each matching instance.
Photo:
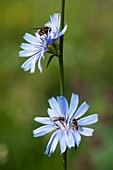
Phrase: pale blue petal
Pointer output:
(55, 21)
(69, 139)
(51, 113)
(63, 31)
(58, 20)
(81, 110)
(27, 53)
(33, 64)
(88, 120)
(52, 143)
(31, 39)
(38, 38)
(40, 64)
(52, 23)
(73, 104)
(63, 104)
(77, 137)
(55, 142)
(41, 131)
(28, 64)
(86, 131)
(62, 142)
(26, 46)
(55, 107)
(43, 120)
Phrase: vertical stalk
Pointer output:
(61, 67)
(64, 157)
(61, 76)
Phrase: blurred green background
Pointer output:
(88, 61)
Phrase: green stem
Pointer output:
(64, 156)
(61, 67)
(61, 76)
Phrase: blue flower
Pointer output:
(65, 121)
(38, 45)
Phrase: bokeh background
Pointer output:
(88, 61)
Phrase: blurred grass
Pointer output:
(88, 71)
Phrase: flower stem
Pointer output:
(61, 75)
(61, 67)
(64, 156)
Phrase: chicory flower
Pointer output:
(42, 41)
(66, 123)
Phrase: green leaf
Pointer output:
(50, 59)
